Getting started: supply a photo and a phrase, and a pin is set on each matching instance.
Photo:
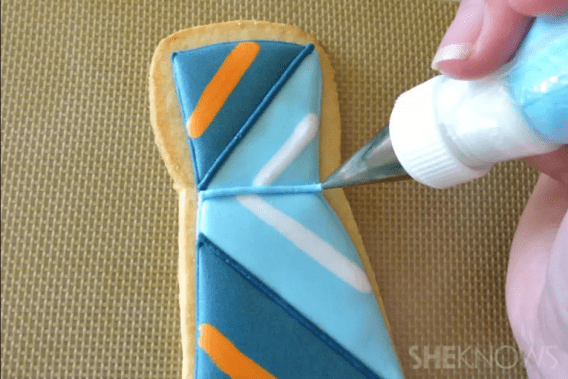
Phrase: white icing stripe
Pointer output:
(310, 243)
(303, 238)
(305, 131)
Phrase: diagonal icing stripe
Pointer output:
(309, 242)
(227, 357)
(303, 134)
(221, 86)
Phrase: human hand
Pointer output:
(485, 35)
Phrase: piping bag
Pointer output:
(444, 131)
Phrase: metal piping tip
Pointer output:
(374, 162)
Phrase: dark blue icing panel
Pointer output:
(262, 325)
(207, 368)
(194, 69)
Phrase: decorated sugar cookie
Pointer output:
(274, 280)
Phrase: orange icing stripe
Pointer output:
(227, 357)
(221, 86)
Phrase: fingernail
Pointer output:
(451, 52)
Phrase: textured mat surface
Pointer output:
(89, 218)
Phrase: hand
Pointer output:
(485, 34)
(483, 37)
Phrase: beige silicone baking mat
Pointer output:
(89, 216)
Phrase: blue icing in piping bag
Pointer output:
(444, 132)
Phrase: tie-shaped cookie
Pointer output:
(272, 283)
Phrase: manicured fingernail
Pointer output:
(451, 52)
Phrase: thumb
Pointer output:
(484, 35)
(539, 7)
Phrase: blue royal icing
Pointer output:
(270, 69)
(262, 325)
(301, 95)
(283, 232)
(350, 317)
